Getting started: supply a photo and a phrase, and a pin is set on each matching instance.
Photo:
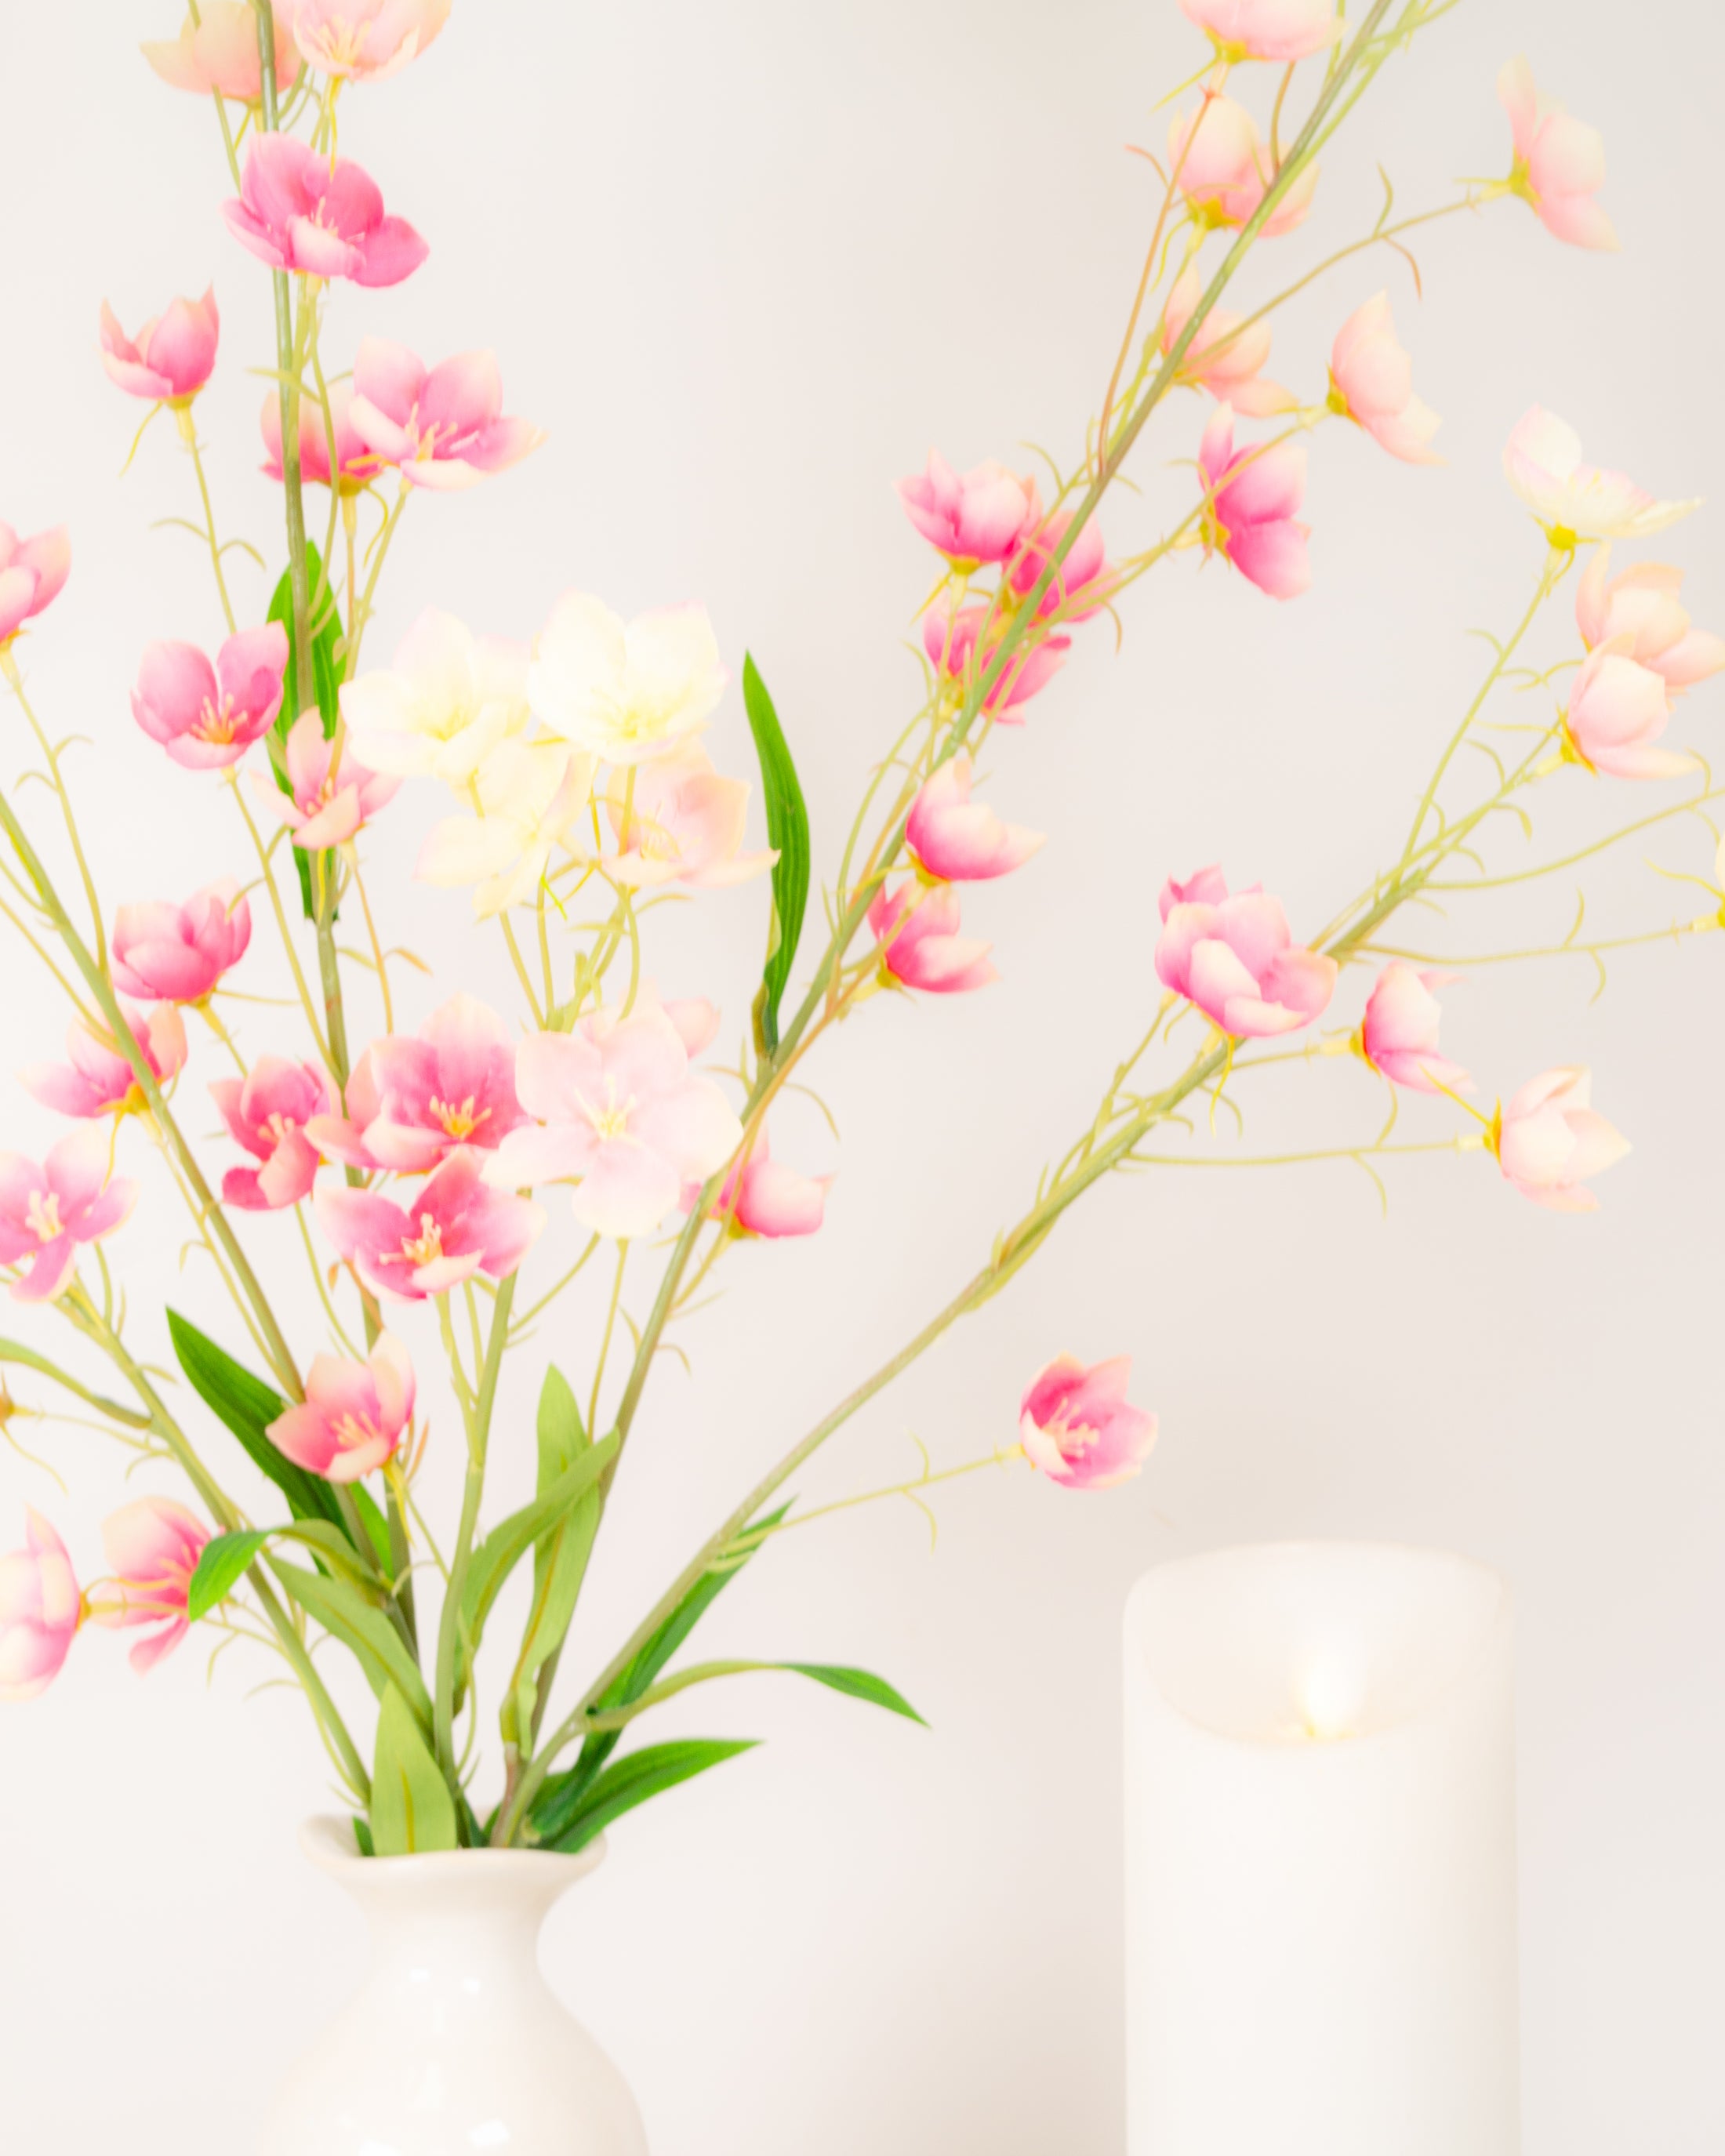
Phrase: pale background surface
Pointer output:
(746, 261)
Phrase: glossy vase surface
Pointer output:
(453, 2045)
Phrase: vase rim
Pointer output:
(328, 1841)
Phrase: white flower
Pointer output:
(1541, 461)
(532, 796)
(625, 693)
(447, 702)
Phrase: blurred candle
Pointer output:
(1320, 1875)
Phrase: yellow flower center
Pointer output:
(215, 722)
(429, 1246)
(460, 1122)
(41, 1216)
(611, 1120)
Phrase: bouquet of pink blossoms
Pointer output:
(414, 1168)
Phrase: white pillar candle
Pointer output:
(1321, 1877)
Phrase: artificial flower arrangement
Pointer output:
(417, 1172)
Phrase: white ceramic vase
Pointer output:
(453, 2045)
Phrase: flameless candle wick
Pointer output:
(1332, 1697)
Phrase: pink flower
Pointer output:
(326, 808)
(364, 40)
(619, 1109)
(99, 1080)
(173, 356)
(177, 954)
(959, 840)
(1085, 573)
(354, 1416)
(1618, 709)
(764, 1198)
(1224, 171)
(679, 820)
(46, 1212)
(153, 1548)
(1541, 461)
(442, 428)
(356, 465)
(1372, 383)
(1076, 1425)
(1642, 604)
(1549, 1139)
(413, 1100)
(951, 642)
(31, 571)
(1235, 958)
(207, 716)
(972, 517)
(697, 1021)
(295, 212)
(1559, 165)
(457, 1227)
(40, 1611)
(920, 945)
(1250, 518)
(1282, 30)
(1399, 1033)
(267, 1112)
(1224, 357)
(221, 52)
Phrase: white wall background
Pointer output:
(747, 260)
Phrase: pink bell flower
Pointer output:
(331, 803)
(220, 52)
(1249, 517)
(957, 840)
(1399, 1033)
(1549, 1139)
(1224, 357)
(31, 571)
(1372, 383)
(1076, 1425)
(920, 945)
(675, 819)
(295, 212)
(364, 40)
(207, 716)
(621, 1114)
(1280, 30)
(766, 1199)
(1236, 959)
(442, 426)
(152, 1548)
(99, 1080)
(356, 465)
(951, 642)
(267, 1112)
(1618, 709)
(40, 1611)
(971, 517)
(174, 353)
(414, 1099)
(47, 1212)
(354, 1416)
(178, 954)
(1541, 461)
(1224, 171)
(1643, 604)
(1085, 574)
(1559, 164)
(456, 1228)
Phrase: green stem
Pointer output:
(188, 435)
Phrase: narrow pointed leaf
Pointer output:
(560, 1558)
(221, 1566)
(359, 1623)
(247, 1405)
(788, 828)
(857, 1684)
(412, 1810)
(325, 674)
(637, 1777)
(509, 1541)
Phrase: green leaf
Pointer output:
(412, 1809)
(509, 1543)
(221, 1565)
(362, 1835)
(636, 1777)
(560, 1558)
(857, 1684)
(562, 1796)
(787, 828)
(348, 1616)
(326, 676)
(247, 1405)
(376, 1525)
